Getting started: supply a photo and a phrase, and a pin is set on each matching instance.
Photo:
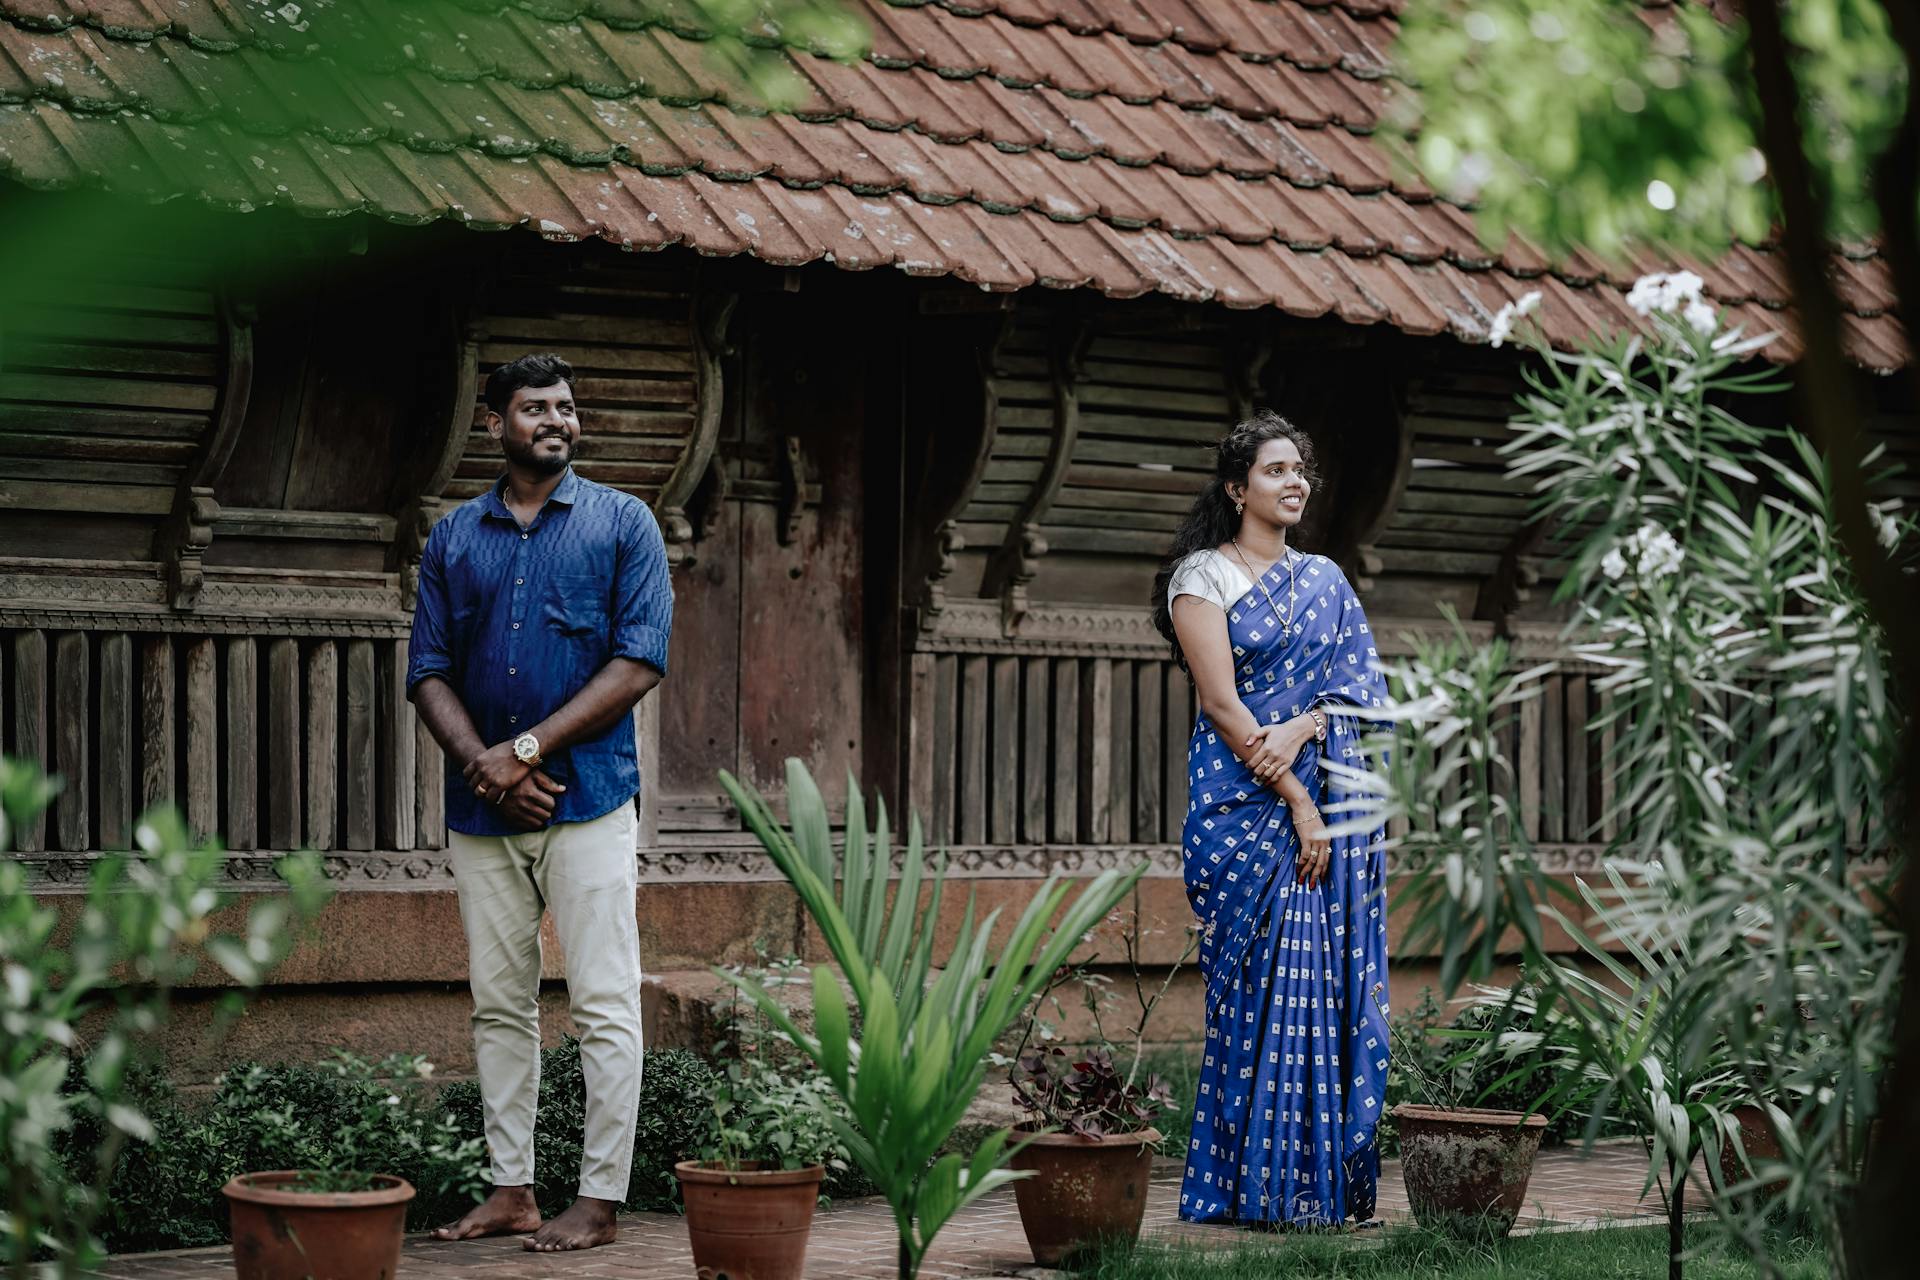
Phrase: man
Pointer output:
(543, 618)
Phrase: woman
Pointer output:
(1294, 944)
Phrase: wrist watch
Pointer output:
(526, 749)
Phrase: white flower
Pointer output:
(1886, 529)
(1665, 292)
(393, 1099)
(1503, 320)
(1701, 318)
(1649, 551)
(423, 1069)
(1659, 553)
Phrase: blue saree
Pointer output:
(1295, 1067)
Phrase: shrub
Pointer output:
(345, 1116)
(674, 1090)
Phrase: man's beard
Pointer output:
(533, 459)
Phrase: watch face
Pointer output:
(525, 747)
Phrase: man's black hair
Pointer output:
(528, 371)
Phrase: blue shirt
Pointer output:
(518, 619)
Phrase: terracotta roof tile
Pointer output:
(1210, 150)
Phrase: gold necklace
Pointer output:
(1260, 581)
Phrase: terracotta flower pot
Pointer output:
(283, 1234)
(1467, 1170)
(749, 1223)
(1756, 1135)
(1083, 1190)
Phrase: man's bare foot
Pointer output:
(508, 1211)
(586, 1223)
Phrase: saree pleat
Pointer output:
(1295, 1062)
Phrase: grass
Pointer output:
(1408, 1253)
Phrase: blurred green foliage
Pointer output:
(1593, 122)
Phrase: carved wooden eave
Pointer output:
(181, 541)
(713, 312)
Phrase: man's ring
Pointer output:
(482, 789)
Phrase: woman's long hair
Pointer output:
(1211, 520)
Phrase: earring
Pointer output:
(1239, 508)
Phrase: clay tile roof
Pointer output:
(1209, 150)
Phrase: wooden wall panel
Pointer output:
(626, 326)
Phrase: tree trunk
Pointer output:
(1831, 414)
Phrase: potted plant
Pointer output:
(769, 1142)
(1089, 1137)
(1466, 1169)
(330, 1214)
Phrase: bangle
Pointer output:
(1306, 815)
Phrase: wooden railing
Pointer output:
(270, 742)
(1076, 732)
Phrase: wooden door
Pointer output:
(768, 654)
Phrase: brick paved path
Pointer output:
(855, 1240)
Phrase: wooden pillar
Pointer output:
(30, 723)
(358, 764)
(1120, 790)
(920, 746)
(396, 773)
(973, 749)
(1150, 743)
(283, 743)
(1096, 748)
(1066, 751)
(323, 744)
(1037, 765)
(203, 736)
(1004, 787)
(646, 745)
(1173, 818)
(430, 789)
(243, 743)
(157, 724)
(946, 705)
(72, 673)
(117, 784)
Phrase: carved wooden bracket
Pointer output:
(1017, 561)
(1513, 579)
(712, 317)
(182, 540)
(419, 513)
(185, 537)
(947, 541)
(1366, 563)
(796, 494)
(1247, 370)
